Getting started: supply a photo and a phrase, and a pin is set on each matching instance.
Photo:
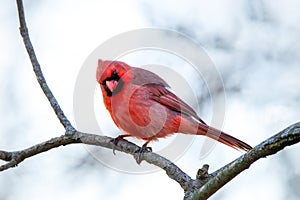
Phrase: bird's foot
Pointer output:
(115, 141)
(140, 152)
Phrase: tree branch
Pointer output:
(200, 188)
(287, 137)
(125, 146)
(38, 72)
(16, 157)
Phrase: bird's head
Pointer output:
(111, 75)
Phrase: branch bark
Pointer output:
(16, 157)
(202, 187)
(287, 137)
(38, 71)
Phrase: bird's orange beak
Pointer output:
(112, 84)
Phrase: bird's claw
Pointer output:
(141, 151)
(115, 141)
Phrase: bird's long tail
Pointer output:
(222, 137)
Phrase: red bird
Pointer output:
(141, 105)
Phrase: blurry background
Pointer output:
(254, 44)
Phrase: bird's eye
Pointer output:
(114, 74)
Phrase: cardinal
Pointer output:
(142, 105)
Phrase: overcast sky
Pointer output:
(254, 45)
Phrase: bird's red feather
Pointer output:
(141, 104)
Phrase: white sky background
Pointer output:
(254, 45)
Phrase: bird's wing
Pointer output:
(165, 97)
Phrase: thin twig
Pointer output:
(16, 157)
(38, 72)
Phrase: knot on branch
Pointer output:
(202, 173)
